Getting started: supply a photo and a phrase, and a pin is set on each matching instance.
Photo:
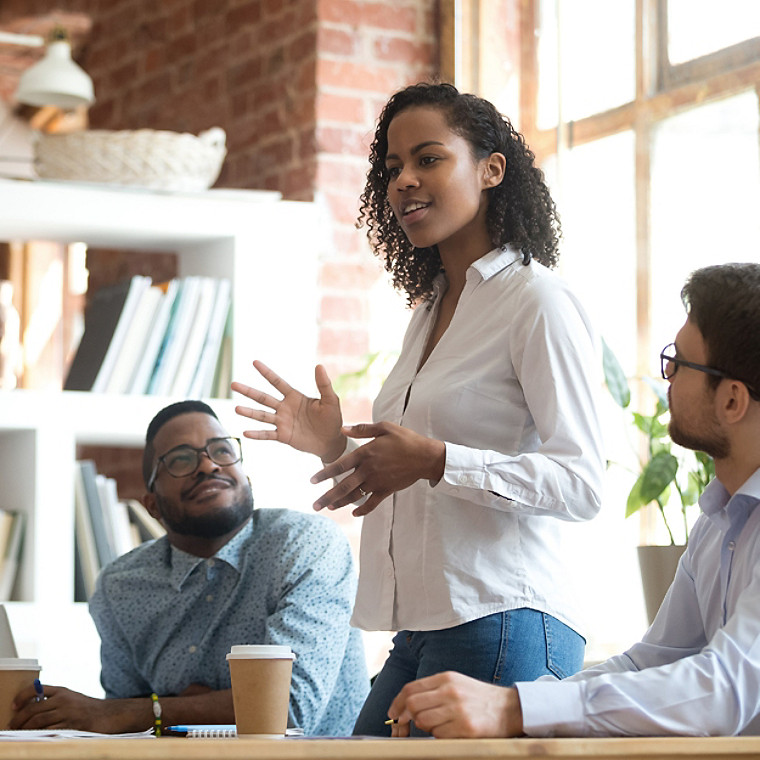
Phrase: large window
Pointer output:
(644, 115)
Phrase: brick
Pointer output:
(123, 76)
(343, 309)
(155, 87)
(342, 276)
(246, 14)
(336, 42)
(154, 59)
(342, 140)
(301, 45)
(182, 47)
(242, 74)
(357, 76)
(380, 16)
(348, 109)
(272, 7)
(341, 175)
(339, 11)
(400, 49)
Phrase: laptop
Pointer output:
(7, 644)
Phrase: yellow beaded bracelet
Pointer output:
(156, 714)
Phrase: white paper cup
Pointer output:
(260, 676)
(15, 674)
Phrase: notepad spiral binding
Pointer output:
(211, 733)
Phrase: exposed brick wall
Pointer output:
(187, 65)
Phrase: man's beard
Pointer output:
(715, 445)
(213, 524)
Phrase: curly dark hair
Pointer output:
(520, 211)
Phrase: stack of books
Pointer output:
(105, 526)
(168, 339)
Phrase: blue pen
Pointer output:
(40, 691)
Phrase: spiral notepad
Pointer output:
(203, 731)
(214, 731)
(211, 732)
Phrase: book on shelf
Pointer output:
(135, 341)
(220, 385)
(87, 565)
(175, 339)
(147, 527)
(104, 551)
(100, 319)
(152, 348)
(115, 516)
(198, 330)
(137, 285)
(203, 379)
(11, 541)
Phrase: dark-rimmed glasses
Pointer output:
(183, 460)
(669, 364)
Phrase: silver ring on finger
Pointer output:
(362, 492)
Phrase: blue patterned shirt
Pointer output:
(167, 619)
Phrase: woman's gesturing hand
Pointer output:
(393, 460)
(307, 424)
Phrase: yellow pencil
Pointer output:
(391, 721)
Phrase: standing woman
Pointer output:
(485, 433)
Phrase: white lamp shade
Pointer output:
(56, 80)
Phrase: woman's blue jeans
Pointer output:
(517, 645)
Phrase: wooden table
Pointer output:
(674, 748)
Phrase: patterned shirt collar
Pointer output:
(183, 564)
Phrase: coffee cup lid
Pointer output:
(260, 652)
(18, 663)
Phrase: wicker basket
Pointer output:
(158, 160)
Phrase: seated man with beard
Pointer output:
(169, 611)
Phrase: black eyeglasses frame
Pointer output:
(666, 359)
(198, 451)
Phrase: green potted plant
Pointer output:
(669, 478)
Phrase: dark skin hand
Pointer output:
(394, 459)
(64, 708)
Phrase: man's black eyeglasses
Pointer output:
(669, 364)
(183, 460)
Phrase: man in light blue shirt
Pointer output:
(169, 611)
(697, 669)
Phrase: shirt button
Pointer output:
(464, 479)
(209, 597)
(731, 545)
(210, 563)
(192, 649)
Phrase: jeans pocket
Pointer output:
(564, 648)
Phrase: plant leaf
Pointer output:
(614, 377)
(658, 473)
(634, 502)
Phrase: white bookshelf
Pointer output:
(269, 249)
